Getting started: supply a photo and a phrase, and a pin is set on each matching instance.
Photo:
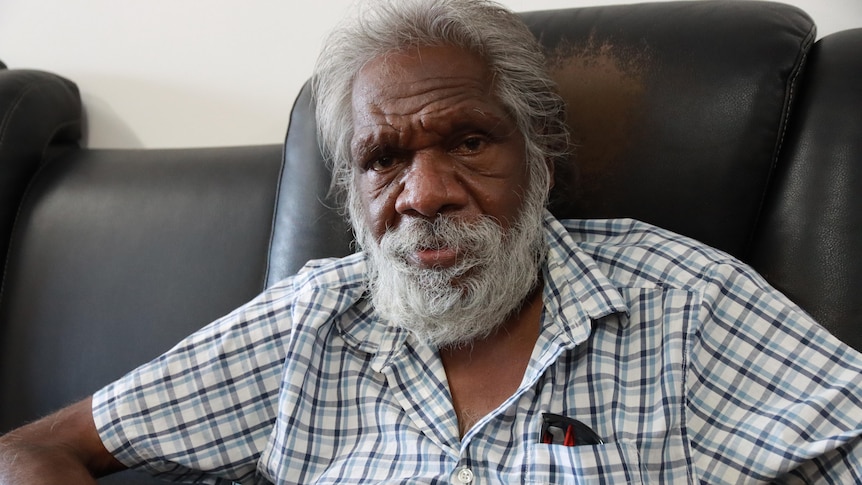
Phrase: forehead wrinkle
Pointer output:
(419, 101)
(446, 110)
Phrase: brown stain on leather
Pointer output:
(604, 89)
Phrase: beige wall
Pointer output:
(176, 73)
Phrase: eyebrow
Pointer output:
(382, 137)
(369, 143)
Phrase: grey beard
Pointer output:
(455, 306)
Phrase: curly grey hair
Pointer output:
(481, 27)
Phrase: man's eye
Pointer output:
(381, 163)
(471, 144)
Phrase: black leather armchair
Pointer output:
(721, 120)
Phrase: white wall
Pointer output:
(178, 73)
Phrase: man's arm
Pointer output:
(61, 448)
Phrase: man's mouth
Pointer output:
(434, 257)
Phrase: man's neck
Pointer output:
(485, 373)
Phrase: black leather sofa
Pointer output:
(721, 120)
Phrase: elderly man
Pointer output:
(476, 339)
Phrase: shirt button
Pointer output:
(464, 476)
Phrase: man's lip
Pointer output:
(434, 258)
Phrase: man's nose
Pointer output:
(431, 186)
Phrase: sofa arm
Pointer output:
(40, 114)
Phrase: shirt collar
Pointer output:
(577, 293)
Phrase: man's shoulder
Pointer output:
(635, 253)
(328, 273)
(634, 233)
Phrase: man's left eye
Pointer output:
(471, 144)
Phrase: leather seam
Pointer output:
(791, 91)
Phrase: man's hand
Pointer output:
(61, 448)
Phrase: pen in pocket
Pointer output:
(562, 430)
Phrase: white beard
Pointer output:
(442, 307)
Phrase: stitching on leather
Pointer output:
(800, 66)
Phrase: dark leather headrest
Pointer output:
(677, 110)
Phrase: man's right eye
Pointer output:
(380, 164)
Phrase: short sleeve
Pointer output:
(204, 410)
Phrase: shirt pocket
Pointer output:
(609, 463)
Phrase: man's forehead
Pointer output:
(424, 80)
(427, 93)
(420, 66)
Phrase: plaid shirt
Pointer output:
(687, 364)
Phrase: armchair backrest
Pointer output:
(677, 110)
(112, 256)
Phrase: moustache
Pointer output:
(474, 240)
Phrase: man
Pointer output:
(477, 339)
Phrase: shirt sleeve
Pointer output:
(770, 393)
(203, 411)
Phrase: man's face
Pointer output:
(430, 139)
(441, 200)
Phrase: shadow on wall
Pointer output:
(112, 132)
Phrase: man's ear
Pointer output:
(551, 170)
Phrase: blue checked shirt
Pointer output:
(687, 364)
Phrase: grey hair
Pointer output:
(481, 27)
